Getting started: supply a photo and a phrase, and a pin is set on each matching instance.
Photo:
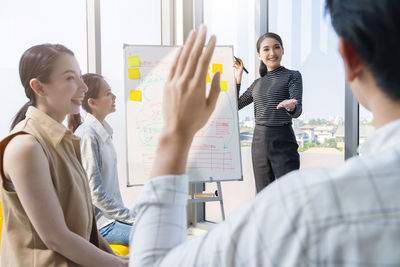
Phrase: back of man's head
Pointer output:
(372, 29)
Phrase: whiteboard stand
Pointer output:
(216, 198)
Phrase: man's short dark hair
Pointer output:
(372, 29)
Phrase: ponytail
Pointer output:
(263, 69)
(74, 121)
(20, 116)
(37, 62)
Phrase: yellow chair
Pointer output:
(120, 249)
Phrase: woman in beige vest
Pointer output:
(45, 195)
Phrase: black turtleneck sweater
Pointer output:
(268, 91)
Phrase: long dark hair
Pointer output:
(92, 81)
(263, 69)
(36, 62)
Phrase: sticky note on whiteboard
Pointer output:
(208, 79)
(223, 85)
(216, 68)
(133, 61)
(133, 74)
(135, 95)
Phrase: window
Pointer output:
(26, 23)
(366, 125)
(234, 26)
(125, 22)
(310, 45)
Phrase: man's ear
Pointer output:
(352, 63)
(37, 87)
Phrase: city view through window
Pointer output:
(310, 42)
(310, 46)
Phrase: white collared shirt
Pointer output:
(344, 216)
(99, 160)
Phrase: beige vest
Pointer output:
(20, 243)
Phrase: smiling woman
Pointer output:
(99, 159)
(48, 81)
(277, 98)
(48, 214)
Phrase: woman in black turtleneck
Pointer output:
(277, 98)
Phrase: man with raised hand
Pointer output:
(344, 216)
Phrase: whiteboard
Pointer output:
(215, 151)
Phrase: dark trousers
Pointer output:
(274, 153)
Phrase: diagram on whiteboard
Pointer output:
(215, 151)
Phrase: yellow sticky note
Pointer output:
(133, 61)
(216, 68)
(208, 79)
(133, 74)
(223, 85)
(135, 95)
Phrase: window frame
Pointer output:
(178, 17)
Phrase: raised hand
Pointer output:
(238, 67)
(186, 108)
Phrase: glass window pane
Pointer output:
(25, 23)
(310, 45)
(234, 26)
(125, 22)
(366, 126)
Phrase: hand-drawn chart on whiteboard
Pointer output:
(215, 151)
